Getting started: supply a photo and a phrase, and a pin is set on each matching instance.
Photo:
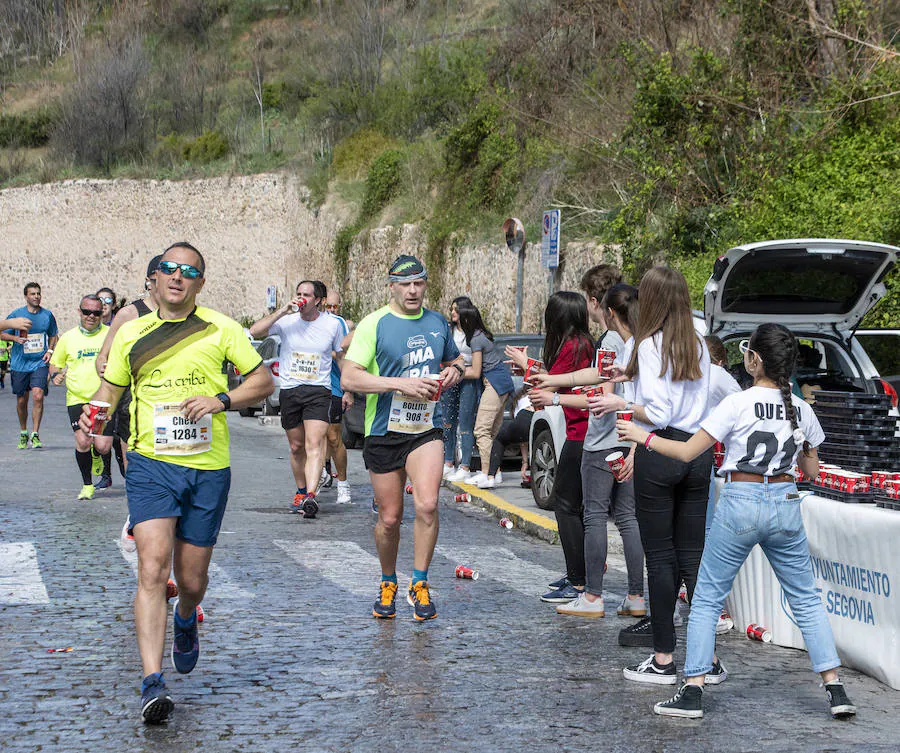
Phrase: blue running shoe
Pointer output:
(419, 598)
(156, 703)
(104, 483)
(186, 643)
(374, 506)
(562, 595)
(384, 607)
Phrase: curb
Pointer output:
(525, 520)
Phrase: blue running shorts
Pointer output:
(157, 489)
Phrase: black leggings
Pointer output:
(671, 499)
(568, 506)
(510, 433)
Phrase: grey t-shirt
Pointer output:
(491, 354)
(601, 431)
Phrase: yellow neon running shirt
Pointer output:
(168, 361)
(77, 352)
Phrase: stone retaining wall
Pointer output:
(76, 236)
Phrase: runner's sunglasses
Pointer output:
(91, 312)
(188, 271)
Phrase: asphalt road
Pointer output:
(293, 658)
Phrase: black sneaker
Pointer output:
(649, 671)
(156, 703)
(639, 635)
(717, 675)
(686, 703)
(841, 707)
(310, 506)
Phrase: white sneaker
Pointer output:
(343, 495)
(487, 483)
(128, 544)
(498, 478)
(581, 607)
(476, 478)
(724, 624)
(460, 474)
(449, 470)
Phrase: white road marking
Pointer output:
(20, 576)
(505, 567)
(344, 563)
(221, 586)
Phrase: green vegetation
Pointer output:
(674, 129)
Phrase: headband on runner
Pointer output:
(406, 268)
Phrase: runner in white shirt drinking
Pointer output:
(309, 338)
(765, 430)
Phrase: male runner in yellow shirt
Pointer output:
(179, 465)
(73, 361)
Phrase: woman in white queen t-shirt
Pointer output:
(764, 429)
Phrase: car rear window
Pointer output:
(793, 281)
(884, 350)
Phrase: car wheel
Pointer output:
(543, 469)
(350, 438)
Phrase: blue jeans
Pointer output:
(769, 515)
(459, 405)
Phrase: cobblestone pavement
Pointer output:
(291, 654)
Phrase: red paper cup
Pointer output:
(624, 415)
(463, 497)
(440, 382)
(616, 463)
(758, 633)
(466, 572)
(533, 367)
(408, 489)
(506, 523)
(98, 415)
(605, 359)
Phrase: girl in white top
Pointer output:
(669, 366)
(459, 404)
(764, 429)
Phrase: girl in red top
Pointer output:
(568, 347)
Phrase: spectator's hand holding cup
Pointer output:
(518, 357)
(540, 398)
(615, 373)
(600, 405)
(543, 381)
(629, 431)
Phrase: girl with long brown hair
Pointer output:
(669, 366)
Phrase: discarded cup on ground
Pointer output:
(758, 633)
(200, 614)
(466, 572)
(506, 523)
(408, 489)
(98, 415)
(616, 463)
(463, 497)
(66, 650)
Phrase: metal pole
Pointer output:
(520, 282)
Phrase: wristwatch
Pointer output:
(629, 405)
(555, 398)
(225, 400)
(460, 369)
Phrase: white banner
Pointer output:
(856, 564)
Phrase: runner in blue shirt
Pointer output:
(31, 351)
(402, 356)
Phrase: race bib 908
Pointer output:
(410, 416)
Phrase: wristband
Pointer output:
(49, 350)
(460, 369)
(647, 441)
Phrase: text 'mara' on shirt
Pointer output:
(667, 403)
(757, 434)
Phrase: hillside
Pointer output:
(673, 128)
